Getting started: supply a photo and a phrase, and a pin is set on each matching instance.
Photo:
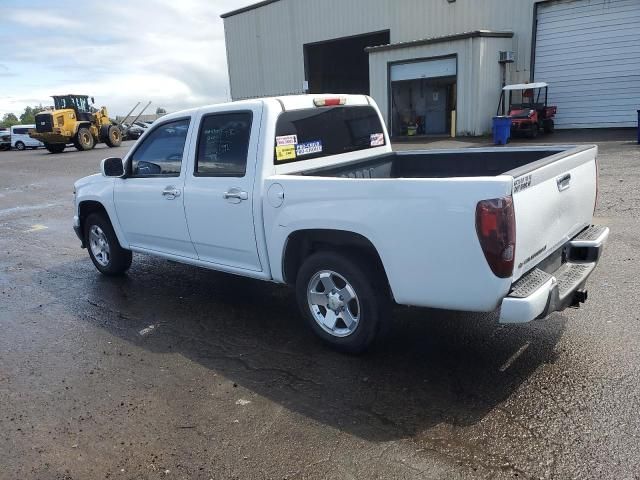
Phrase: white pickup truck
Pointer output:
(306, 190)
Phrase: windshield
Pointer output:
(79, 103)
(522, 99)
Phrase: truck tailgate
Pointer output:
(553, 199)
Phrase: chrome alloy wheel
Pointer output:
(99, 245)
(333, 303)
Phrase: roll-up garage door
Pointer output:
(589, 53)
(442, 67)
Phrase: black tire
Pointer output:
(118, 259)
(20, 146)
(549, 126)
(55, 147)
(533, 131)
(112, 136)
(371, 297)
(84, 140)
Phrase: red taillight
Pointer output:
(329, 102)
(496, 228)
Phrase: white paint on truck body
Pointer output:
(424, 229)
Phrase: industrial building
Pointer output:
(434, 66)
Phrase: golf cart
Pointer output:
(528, 108)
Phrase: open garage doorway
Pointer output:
(423, 97)
(341, 65)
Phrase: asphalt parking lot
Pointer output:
(177, 372)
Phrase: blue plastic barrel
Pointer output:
(501, 130)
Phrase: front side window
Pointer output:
(81, 103)
(320, 132)
(160, 153)
(223, 144)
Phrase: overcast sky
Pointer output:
(171, 52)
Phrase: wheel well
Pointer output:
(87, 208)
(83, 124)
(303, 243)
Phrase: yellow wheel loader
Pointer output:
(74, 120)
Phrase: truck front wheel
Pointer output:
(104, 249)
(84, 140)
(344, 301)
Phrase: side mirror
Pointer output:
(112, 167)
(93, 100)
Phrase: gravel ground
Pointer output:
(178, 372)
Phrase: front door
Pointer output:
(436, 115)
(219, 200)
(150, 200)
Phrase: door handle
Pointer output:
(564, 182)
(171, 193)
(235, 195)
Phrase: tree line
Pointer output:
(27, 117)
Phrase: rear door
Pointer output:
(554, 199)
(219, 192)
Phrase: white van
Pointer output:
(20, 138)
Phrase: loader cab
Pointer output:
(78, 103)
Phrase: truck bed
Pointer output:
(472, 162)
(421, 215)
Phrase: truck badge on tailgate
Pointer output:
(532, 256)
(521, 183)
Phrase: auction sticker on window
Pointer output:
(285, 152)
(308, 148)
(377, 139)
(287, 140)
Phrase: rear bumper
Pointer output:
(538, 293)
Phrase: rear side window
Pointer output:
(223, 144)
(20, 131)
(320, 132)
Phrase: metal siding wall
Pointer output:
(589, 52)
(490, 80)
(265, 45)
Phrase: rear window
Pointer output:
(320, 132)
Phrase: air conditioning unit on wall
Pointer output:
(507, 57)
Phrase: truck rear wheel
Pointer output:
(111, 135)
(55, 147)
(104, 249)
(84, 140)
(344, 301)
